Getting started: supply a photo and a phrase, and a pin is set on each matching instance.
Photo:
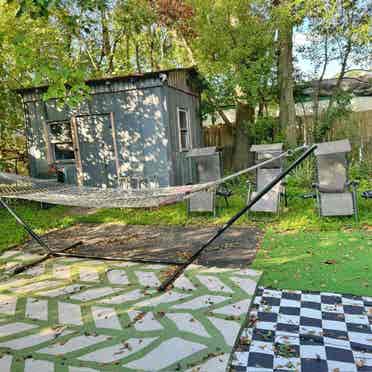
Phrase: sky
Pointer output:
(333, 68)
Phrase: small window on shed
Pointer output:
(184, 129)
(61, 141)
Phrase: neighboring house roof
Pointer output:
(217, 119)
(357, 104)
(359, 85)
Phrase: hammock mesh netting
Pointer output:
(53, 192)
(50, 191)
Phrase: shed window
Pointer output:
(61, 141)
(184, 129)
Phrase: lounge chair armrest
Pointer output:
(367, 194)
(224, 193)
(223, 190)
(315, 185)
(309, 196)
(354, 184)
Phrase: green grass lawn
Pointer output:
(333, 261)
(295, 247)
(42, 220)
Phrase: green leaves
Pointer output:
(234, 49)
(34, 8)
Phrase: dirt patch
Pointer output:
(235, 248)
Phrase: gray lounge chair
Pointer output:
(270, 202)
(207, 166)
(335, 194)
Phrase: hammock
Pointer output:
(14, 186)
(53, 192)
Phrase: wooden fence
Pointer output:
(357, 127)
(220, 136)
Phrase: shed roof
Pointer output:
(109, 79)
(267, 147)
(332, 147)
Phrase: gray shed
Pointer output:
(133, 131)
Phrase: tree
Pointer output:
(232, 45)
(337, 31)
(287, 112)
(63, 43)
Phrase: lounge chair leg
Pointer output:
(285, 199)
(355, 201)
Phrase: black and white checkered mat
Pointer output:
(307, 332)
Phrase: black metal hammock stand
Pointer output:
(181, 266)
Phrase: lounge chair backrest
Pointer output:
(208, 163)
(265, 176)
(209, 168)
(266, 152)
(332, 172)
(332, 165)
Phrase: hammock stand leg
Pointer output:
(34, 236)
(50, 253)
(22, 268)
(169, 281)
(105, 258)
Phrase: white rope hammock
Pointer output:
(53, 192)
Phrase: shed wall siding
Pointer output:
(145, 127)
(141, 134)
(36, 144)
(139, 119)
(175, 98)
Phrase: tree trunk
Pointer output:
(316, 93)
(127, 52)
(328, 121)
(244, 118)
(138, 62)
(106, 45)
(287, 116)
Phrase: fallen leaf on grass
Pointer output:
(330, 262)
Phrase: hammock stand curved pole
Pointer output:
(169, 281)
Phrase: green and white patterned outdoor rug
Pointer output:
(83, 316)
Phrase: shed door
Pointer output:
(96, 151)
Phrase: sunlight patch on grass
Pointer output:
(334, 261)
(282, 260)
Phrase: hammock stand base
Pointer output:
(62, 253)
(22, 268)
(105, 258)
